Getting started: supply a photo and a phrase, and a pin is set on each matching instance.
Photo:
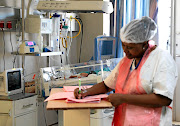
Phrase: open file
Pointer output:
(69, 96)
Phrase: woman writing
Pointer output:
(144, 80)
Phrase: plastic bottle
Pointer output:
(55, 32)
(64, 31)
(56, 45)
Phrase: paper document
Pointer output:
(72, 88)
(89, 99)
(60, 96)
(84, 101)
(69, 96)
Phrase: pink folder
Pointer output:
(73, 100)
(60, 96)
(72, 88)
(69, 96)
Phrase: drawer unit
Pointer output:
(28, 117)
(22, 112)
(5, 107)
(25, 105)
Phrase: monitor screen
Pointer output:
(107, 47)
(14, 80)
(104, 47)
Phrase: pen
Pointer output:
(79, 86)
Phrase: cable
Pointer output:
(60, 55)
(12, 51)
(15, 58)
(11, 42)
(81, 39)
(63, 42)
(4, 49)
(44, 115)
(67, 55)
(79, 29)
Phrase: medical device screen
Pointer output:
(107, 47)
(30, 43)
(14, 80)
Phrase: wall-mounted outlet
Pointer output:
(10, 25)
(1, 24)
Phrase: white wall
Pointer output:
(164, 14)
(178, 27)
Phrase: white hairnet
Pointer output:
(138, 30)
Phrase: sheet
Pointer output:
(72, 100)
(60, 96)
(69, 96)
(72, 88)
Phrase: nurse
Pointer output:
(144, 80)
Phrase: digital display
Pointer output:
(30, 43)
(14, 80)
(107, 47)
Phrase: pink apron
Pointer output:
(129, 83)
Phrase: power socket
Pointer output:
(2, 24)
(9, 25)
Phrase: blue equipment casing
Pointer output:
(105, 47)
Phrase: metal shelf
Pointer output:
(39, 54)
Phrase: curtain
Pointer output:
(139, 8)
(133, 9)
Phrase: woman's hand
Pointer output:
(115, 99)
(81, 95)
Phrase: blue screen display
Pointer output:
(104, 47)
(107, 47)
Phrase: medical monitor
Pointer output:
(11, 82)
(105, 48)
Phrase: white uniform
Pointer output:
(158, 75)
